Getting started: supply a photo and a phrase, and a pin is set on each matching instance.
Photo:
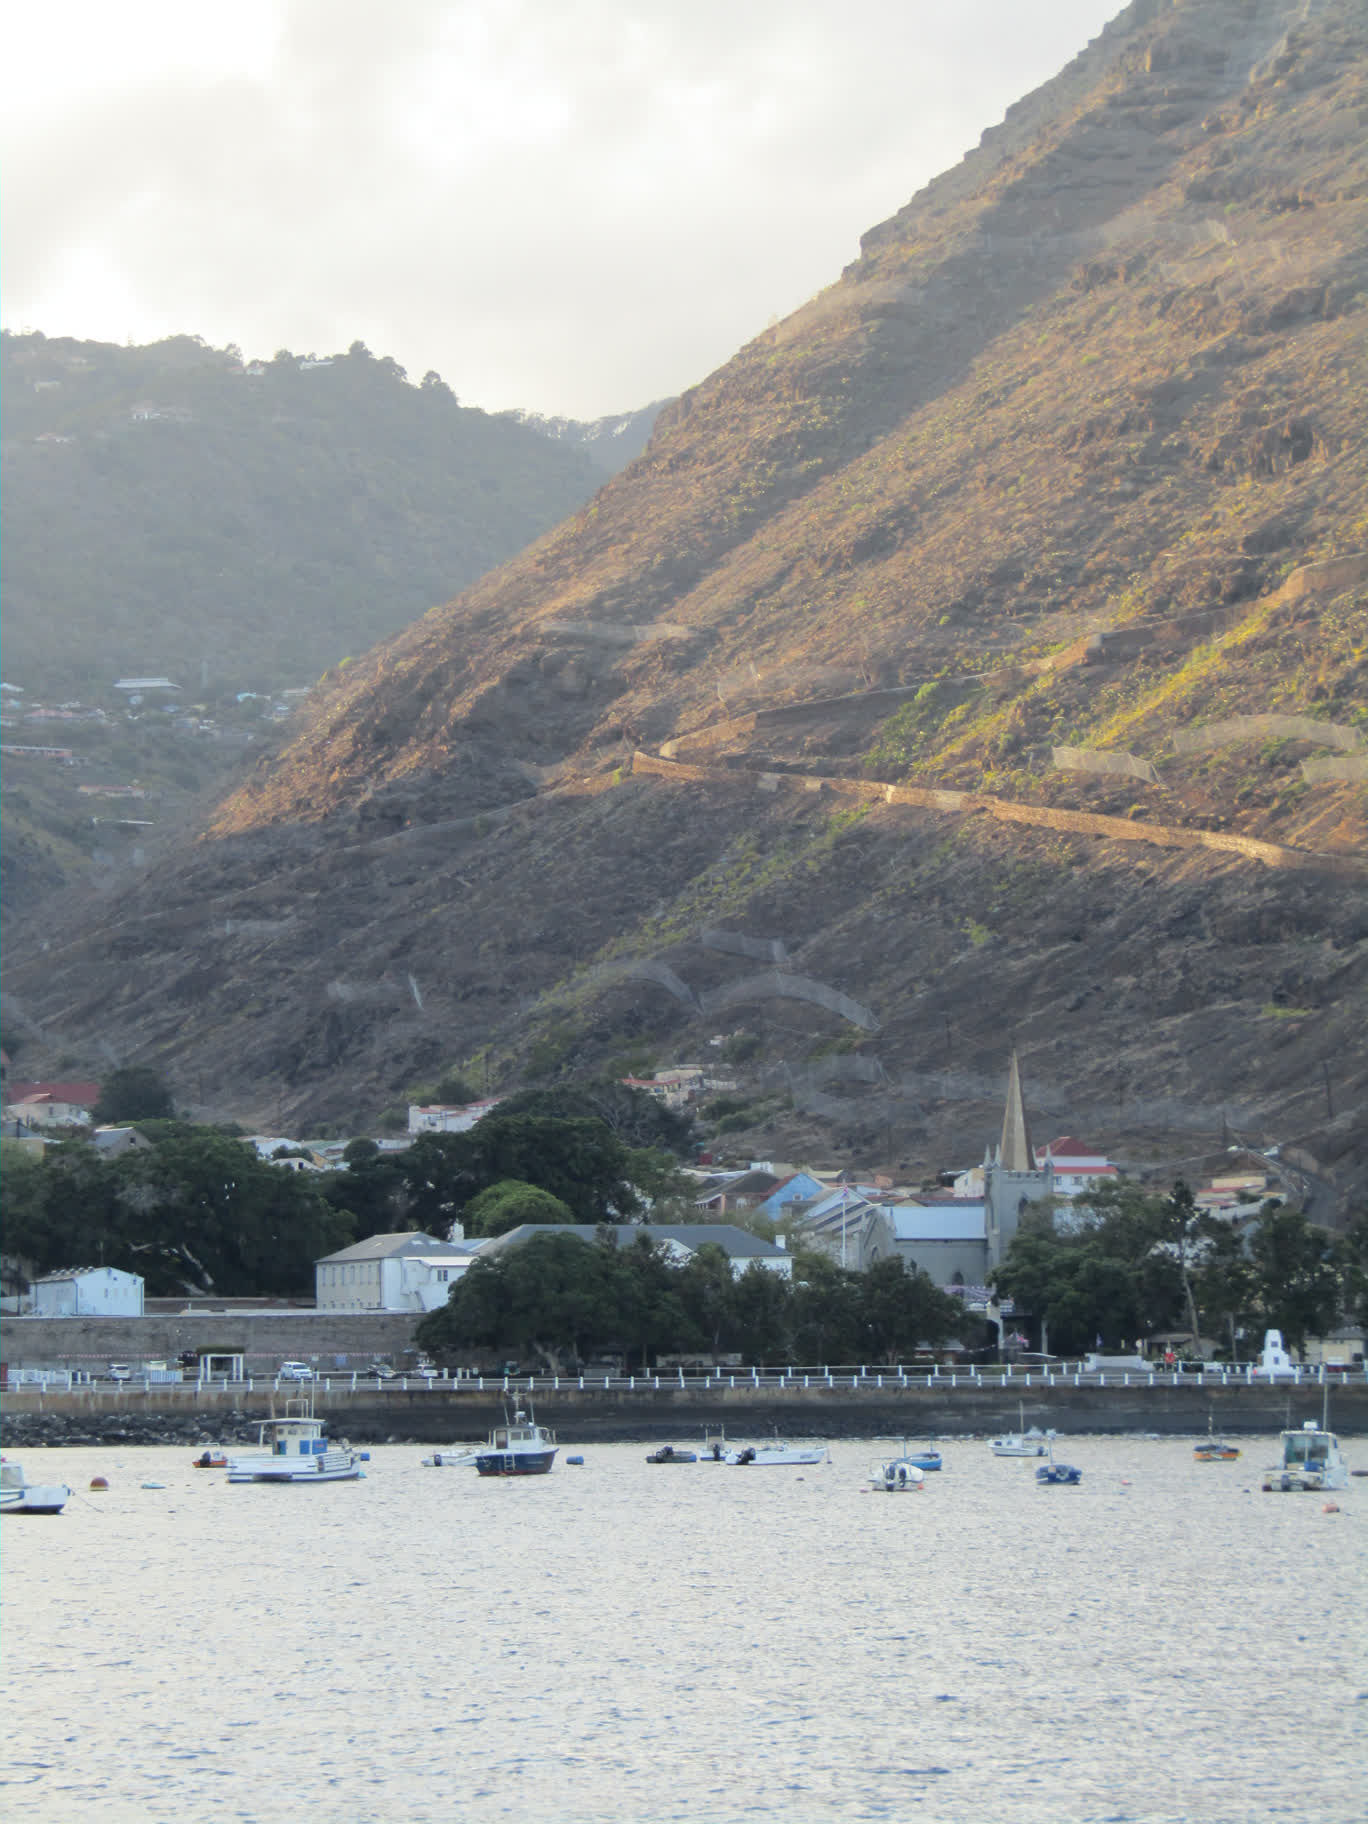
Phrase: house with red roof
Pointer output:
(50, 1104)
(1076, 1167)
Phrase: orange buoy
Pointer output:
(1330, 1507)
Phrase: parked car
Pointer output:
(296, 1371)
(120, 1371)
(383, 1372)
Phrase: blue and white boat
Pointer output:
(930, 1458)
(898, 1476)
(519, 1447)
(294, 1447)
(1062, 1473)
(1309, 1460)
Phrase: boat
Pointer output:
(1215, 1450)
(930, 1458)
(899, 1475)
(20, 1496)
(211, 1459)
(518, 1447)
(1021, 1443)
(294, 1447)
(459, 1456)
(779, 1455)
(669, 1454)
(1310, 1459)
(1052, 1473)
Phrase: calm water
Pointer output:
(629, 1642)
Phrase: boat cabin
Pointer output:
(1309, 1448)
(297, 1434)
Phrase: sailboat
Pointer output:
(1213, 1449)
(1021, 1443)
(1062, 1473)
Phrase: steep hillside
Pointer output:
(174, 510)
(1025, 517)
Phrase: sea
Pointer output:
(637, 1643)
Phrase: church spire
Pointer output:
(1015, 1151)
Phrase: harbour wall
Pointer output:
(1179, 1408)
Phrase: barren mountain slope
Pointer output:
(1105, 378)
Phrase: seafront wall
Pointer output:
(1172, 1408)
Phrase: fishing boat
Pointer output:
(1310, 1460)
(20, 1496)
(1062, 1474)
(293, 1447)
(211, 1458)
(1021, 1443)
(899, 1475)
(670, 1453)
(519, 1447)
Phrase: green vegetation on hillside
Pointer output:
(171, 511)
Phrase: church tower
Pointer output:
(1010, 1180)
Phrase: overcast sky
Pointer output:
(572, 206)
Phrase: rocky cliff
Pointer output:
(1067, 463)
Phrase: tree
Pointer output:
(827, 1321)
(509, 1204)
(1295, 1275)
(901, 1310)
(634, 1116)
(134, 1092)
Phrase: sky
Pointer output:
(566, 206)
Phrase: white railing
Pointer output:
(788, 1379)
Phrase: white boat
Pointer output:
(456, 1456)
(899, 1475)
(20, 1496)
(778, 1455)
(294, 1447)
(519, 1447)
(1310, 1460)
(1022, 1443)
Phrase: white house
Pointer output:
(1076, 1167)
(447, 1118)
(410, 1272)
(88, 1292)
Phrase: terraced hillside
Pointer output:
(1063, 471)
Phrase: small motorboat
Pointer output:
(459, 1456)
(519, 1447)
(779, 1455)
(900, 1475)
(211, 1459)
(930, 1458)
(20, 1496)
(668, 1453)
(294, 1447)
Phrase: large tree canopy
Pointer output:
(559, 1299)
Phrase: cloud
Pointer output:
(569, 205)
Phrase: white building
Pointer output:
(410, 1272)
(446, 1118)
(88, 1292)
(1076, 1167)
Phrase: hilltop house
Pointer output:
(33, 1105)
(447, 1118)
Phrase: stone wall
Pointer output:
(1080, 823)
(266, 1338)
(602, 1416)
